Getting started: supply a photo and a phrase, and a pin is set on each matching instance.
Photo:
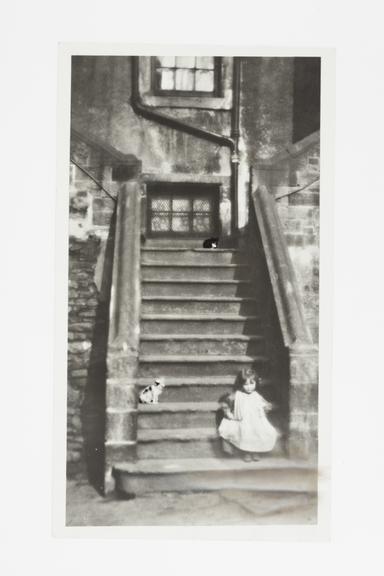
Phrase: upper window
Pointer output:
(186, 75)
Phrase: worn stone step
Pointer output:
(182, 271)
(169, 256)
(179, 443)
(193, 388)
(199, 388)
(198, 365)
(176, 242)
(178, 415)
(183, 443)
(200, 323)
(201, 474)
(197, 287)
(202, 344)
(198, 304)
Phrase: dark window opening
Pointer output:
(123, 172)
(306, 97)
(186, 75)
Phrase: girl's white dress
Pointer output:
(250, 431)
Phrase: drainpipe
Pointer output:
(235, 132)
(230, 142)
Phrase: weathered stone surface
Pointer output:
(303, 444)
(303, 368)
(84, 344)
(74, 396)
(119, 453)
(121, 426)
(303, 421)
(121, 396)
(121, 365)
(303, 396)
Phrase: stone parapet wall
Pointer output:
(91, 237)
(294, 180)
(299, 215)
(303, 401)
(83, 317)
(90, 261)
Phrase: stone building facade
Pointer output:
(163, 123)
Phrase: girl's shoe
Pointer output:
(247, 458)
(255, 458)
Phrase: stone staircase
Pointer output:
(201, 323)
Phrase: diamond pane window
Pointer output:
(186, 75)
(182, 209)
(161, 204)
(160, 223)
(181, 205)
(180, 223)
(202, 205)
(201, 223)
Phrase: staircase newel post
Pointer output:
(124, 332)
(303, 400)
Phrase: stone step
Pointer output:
(200, 323)
(194, 388)
(199, 388)
(199, 442)
(178, 415)
(174, 241)
(197, 287)
(182, 271)
(191, 415)
(198, 304)
(202, 474)
(169, 256)
(179, 443)
(198, 365)
(202, 344)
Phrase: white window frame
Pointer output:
(208, 102)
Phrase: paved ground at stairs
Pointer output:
(85, 507)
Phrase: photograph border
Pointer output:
(321, 531)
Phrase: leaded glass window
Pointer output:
(182, 210)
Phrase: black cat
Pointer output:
(211, 243)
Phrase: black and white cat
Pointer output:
(211, 243)
(150, 394)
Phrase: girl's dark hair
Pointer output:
(244, 374)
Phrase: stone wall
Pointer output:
(300, 218)
(86, 319)
(293, 179)
(91, 237)
(299, 212)
(101, 92)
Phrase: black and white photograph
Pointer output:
(193, 289)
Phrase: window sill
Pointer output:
(207, 102)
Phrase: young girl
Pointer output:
(245, 424)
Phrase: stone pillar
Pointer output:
(303, 401)
(124, 327)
